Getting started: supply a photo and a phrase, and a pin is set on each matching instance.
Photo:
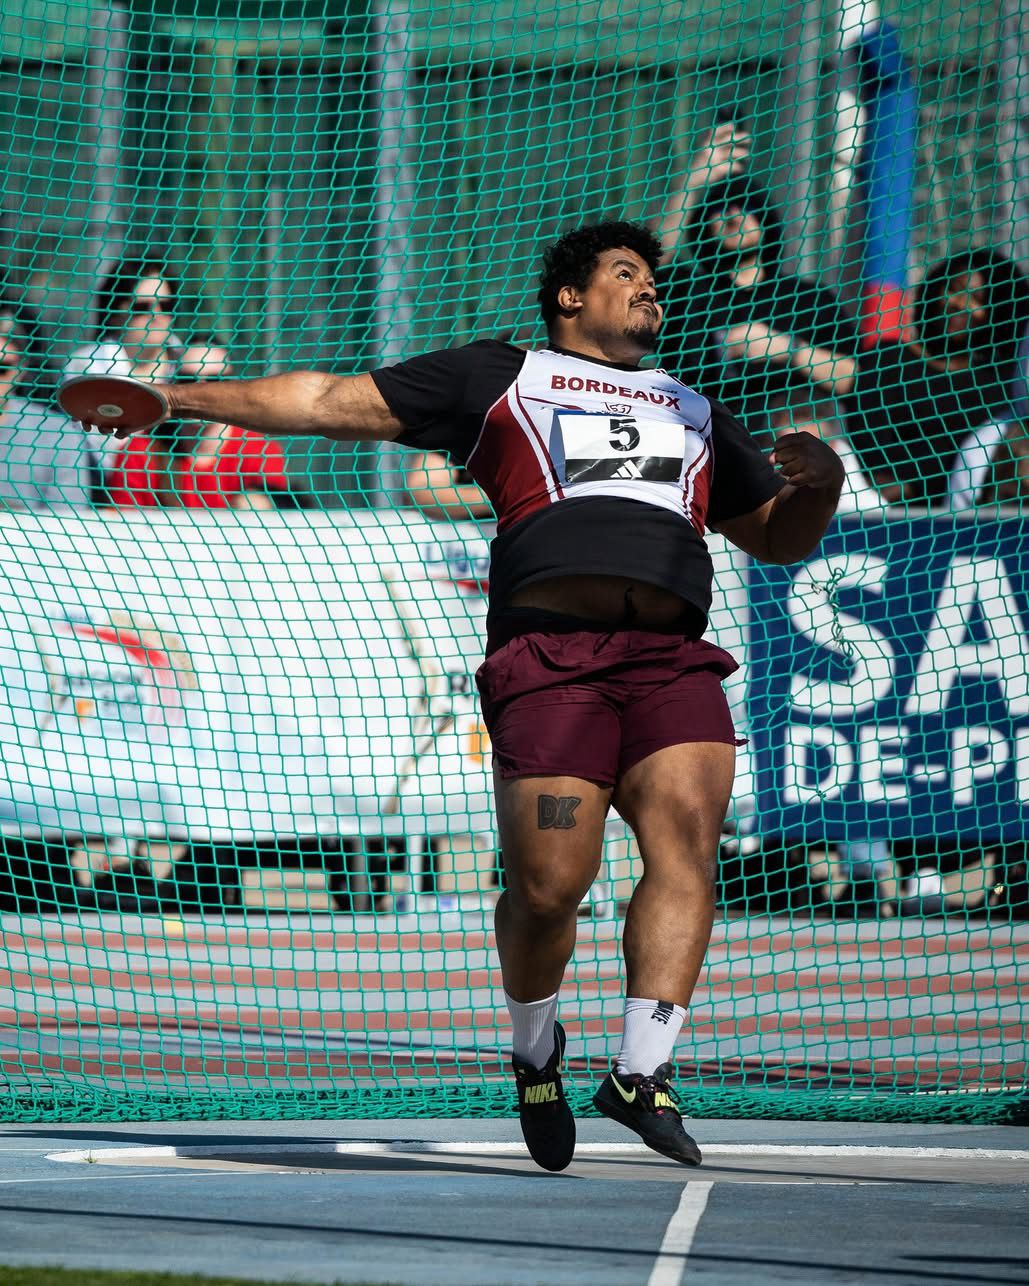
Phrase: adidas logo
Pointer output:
(663, 1012)
(545, 1093)
(630, 469)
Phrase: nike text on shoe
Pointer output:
(648, 1105)
(548, 1126)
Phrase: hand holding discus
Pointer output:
(114, 404)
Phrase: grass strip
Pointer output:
(49, 1276)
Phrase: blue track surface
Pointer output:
(446, 1202)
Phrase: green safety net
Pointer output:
(248, 853)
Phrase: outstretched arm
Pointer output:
(311, 403)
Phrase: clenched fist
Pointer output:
(807, 461)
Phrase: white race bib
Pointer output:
(587, 447)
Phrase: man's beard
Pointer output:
(643, 330)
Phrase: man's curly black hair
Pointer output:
(572, 260)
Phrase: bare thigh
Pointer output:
(676, 799)
(551, 834)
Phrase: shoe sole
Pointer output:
(614, 1113)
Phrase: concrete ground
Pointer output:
(459, 1204)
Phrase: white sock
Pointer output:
(651, 1030)
(533, 1037)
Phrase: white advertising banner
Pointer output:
(250, 675)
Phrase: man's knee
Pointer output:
(679, 836)
(552, 898)
(703, 862)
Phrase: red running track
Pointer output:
(311, 1002)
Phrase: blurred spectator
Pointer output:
(134, 332)
(224, 468)
(992, 466)
(927, 416)
(927, 421)
(133, 335)
(44, 458)
(721, 155)
(767, 343)
(443, 490)
(210, 466)
(1006, 478)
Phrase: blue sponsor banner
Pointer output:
(889, 682)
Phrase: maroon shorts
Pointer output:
(592, 702)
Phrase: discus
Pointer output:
(113, 403)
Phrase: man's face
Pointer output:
(621, 300)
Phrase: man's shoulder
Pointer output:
(484, 344)
(475, 350)
(484, 361)
(492, 344)
(498, 350)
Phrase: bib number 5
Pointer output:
(624, 435)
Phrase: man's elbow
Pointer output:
(787, 555)
(786, 543)
(326, 398)
(788, 546)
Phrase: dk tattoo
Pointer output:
(557, 812)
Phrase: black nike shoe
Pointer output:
(548, 1126)
(648, 1105)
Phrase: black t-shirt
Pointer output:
(592, 467)
(700, 309)
(906, 419)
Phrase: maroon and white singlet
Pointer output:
(592, 467)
